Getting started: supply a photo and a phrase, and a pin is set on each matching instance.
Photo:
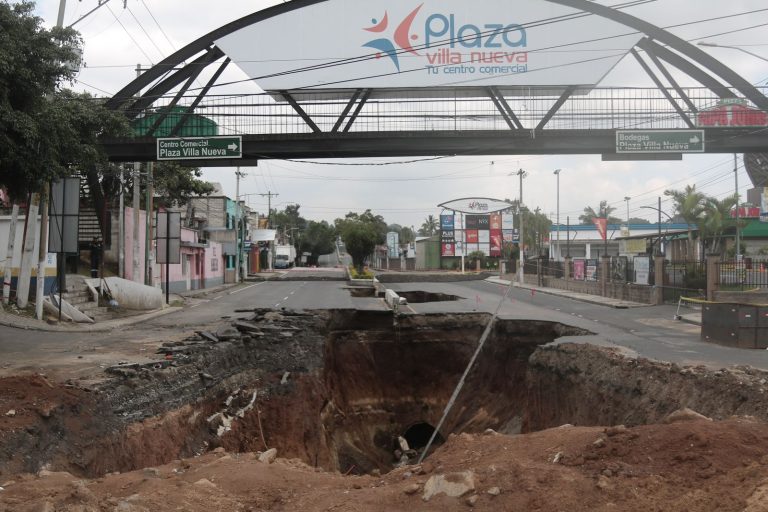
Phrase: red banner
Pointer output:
(602, 226)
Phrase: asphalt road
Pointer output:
(646, 331)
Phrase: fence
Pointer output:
(741, 275)
(684, 279)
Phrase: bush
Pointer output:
(365, 274)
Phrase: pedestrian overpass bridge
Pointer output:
(387, 113)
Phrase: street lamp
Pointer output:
(660, 211)
(715, 45)
(557, 173)
(626, 199)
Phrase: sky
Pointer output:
(116, 39)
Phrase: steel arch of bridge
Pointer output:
(305, 124)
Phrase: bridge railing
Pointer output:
(601, 108)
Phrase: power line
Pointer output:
(130, 36)
(151, 40)
(158, 25)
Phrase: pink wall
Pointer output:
(201, 272)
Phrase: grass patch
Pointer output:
(365, 274)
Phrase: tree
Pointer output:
(174, 183)
(317, 239)
(716, 219)
(603, 211)
(638, 220)
(430, 226)
(537, 227)
(361, 233)
(689, 205)
(33, 61)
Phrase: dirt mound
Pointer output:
(694, 465)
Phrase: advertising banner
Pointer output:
(393, 244)
(472, 248)
(602, 226)
(579, 269)
(471, 236)
(447, 236)
(448, 250)
(485, 249)
(483, 236)
(483, 222)
(642, 269)
(458, 248)
(447, 222)
(510, 235)
(590, 273)
(457, 221)
(343, 44)
(496, 243)
(507, 221)
(471, 221)
(495, 219)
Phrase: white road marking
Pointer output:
(190, 307)
(285, 298)
(243, 289)
(217, 298)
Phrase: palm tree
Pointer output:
(716, 220)
(689, 204)
(430, 226)
(603, 211)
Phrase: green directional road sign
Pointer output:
(659, 141)
(199, 148)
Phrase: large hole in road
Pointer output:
(357, 391)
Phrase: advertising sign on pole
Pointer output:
(168, 235)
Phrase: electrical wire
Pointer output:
(130, 36)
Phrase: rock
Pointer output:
(273, 316)
(204, 482)
(11, 413)
(284, 380)
(403, 444)
(489, 432)
(567, 425)
(494, 491)
(269, 456)
(151, 472)
(220, 449)
(227, 333)
(614, 431)
(603, 483)
(472, 500)
(685, 414)
(453, 485)
(412, 489)
(599, 442)
(46, 411)
(376, 472)
(557, 457)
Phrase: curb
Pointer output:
(100, 327)
(580, 298)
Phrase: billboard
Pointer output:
(350, 44)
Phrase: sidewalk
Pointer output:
(29, 323)
(582, 297)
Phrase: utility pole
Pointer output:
(238, 216)
(136, 274)
(521, 271)
(121, 229)
(43, 247)
(148, 204)
(269, 195)
(557, 173)
(738, 229)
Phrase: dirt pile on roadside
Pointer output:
(689, 465)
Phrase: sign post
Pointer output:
(64, 226)
(199, 148)
(659, 141)
(168, 227)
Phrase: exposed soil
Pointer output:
(333, 391)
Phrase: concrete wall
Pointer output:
(621, 291)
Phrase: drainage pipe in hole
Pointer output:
(460, 385)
